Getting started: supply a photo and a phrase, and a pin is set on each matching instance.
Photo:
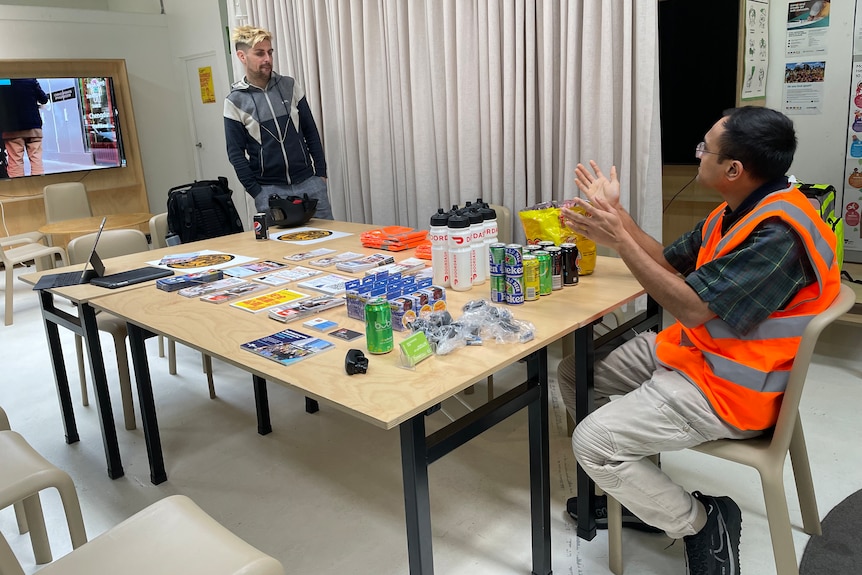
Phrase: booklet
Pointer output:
(298, 257)
(366, 263)
(331, 284)
(284, 276)
(253, 268)
(332, 260)
(304, 308)
(218, 285)
(287, 346)
(233, 293)
(404, 267)
(268, 300)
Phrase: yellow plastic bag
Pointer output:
(542, 222)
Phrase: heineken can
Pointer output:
(570, 264)
(556, 267)
(498, 288)
(514, 260)
(497, 258)
(515, 289)
(545, 279)
(531, 277)
(378, 325)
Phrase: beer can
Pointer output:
(515, 288)
(260, 228)
(545, 279)
(531, 277)
(378, 326)
(545, 244)
(514, 260)
(556, 267)
(570, 264)
(498, 288)
(497, 258)
(530, 248)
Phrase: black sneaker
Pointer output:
(714, 550)
(630, 520)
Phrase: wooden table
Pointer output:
(81, 226)
(387, 396)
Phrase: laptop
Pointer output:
(72, 278)
(96, 274)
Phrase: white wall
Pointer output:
(143, 40)
(823, 137)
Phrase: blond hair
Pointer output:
(245, 37)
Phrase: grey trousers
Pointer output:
(314, 186)
(659, 410)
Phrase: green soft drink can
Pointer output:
(546, 284)
(378, 326)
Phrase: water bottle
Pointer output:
(490, 222)
(460, 253)
(479, 258)
(440, 248)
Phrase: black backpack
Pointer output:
(202, 210)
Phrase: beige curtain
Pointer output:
(429, 103)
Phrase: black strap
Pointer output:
(848, 277)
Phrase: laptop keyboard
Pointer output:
(66, 279)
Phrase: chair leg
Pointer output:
(72, 507)
(38, 532)
(779, 522)
(161, 340)
(208, 369)
(172, 357)
(8, 562)
(615, 536)
(7, 314)
(125, 380)
(804, 482)
(21, 516)
(82, 373)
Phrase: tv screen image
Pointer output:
(79, 125)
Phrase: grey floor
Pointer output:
(323, 492)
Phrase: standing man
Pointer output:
(24, 133)
(742, 285)
(272, 140)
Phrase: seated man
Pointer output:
(742, 286)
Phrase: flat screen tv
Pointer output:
(80, 125)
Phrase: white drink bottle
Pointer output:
(440, 248)
(460, 253)
(478, 263)
(490, 222)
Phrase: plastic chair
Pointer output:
(23, 474)
(504, 223)
(24, 253)
(171, 537)
(113, 243)
(767, 454)
(158, 233)
(18, 239)
(66, 201)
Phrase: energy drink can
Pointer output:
(545, 244)
(378, 326)
(556, 267)
(531, 277)
(260, 228)
(545, 280)
(530, 248)
(570, 264)
(497, 259)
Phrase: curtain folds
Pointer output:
(430, 103)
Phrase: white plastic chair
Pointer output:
(767, 454)
(66, 201)
(24, 253)
(170, 537)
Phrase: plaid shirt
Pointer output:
(747, 285)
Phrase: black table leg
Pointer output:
(261, 404)
(137, 338)
(55, 348)
(584, 362)
(540, 482)
(311, 405)
(417, 502)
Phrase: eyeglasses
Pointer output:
(700, 150)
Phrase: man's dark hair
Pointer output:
(761, 138)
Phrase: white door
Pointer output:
(207, 105)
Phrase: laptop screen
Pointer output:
(98, 269)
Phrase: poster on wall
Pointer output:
(756, 53)
(803, 87)
(808, 28)
(852, 188)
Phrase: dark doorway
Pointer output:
(698, 45)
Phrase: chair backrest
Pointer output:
(113, 243)
(159, 230)
(790, 403)
(504, 223)
(66, 201)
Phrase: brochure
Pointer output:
(266, 301)
(298, 257)
(253, 268)
(366, 263)
(332, 260)
(233, 293)
(331, 284)
(287, 346)
(204, 259)
(204, 289)
(320, 324)
(304, 308)
(284, 276)
(404, 267)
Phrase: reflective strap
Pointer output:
(711, 223)
(771, 328)
(753, 379)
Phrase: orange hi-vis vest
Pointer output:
(744, 375)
